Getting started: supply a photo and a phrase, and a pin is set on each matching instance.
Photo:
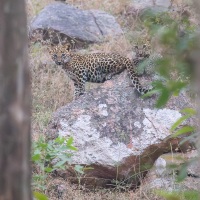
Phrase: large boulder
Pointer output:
(118, 134)
(70, 23)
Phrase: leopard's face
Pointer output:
(142, 51)
(60, 55)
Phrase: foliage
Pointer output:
(39, 196)
(187, 113)
(177, 36)
(183, 195)
(48, 157)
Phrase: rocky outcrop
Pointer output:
(59, 21)
(164, 173)
(117, 133)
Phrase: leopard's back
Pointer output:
(97, 67)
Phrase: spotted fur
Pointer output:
(141, 53)
(97, 67)
(145, 60)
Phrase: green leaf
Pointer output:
(38, 177)
(48, 169)
(79, 169)
(37, 150)
(61, 163)
(150, 93)
(182, 173)
(60, 140)
(190, 111)
(42, 145)
(158, 85)
(163, 67)
(36, 157)
(192, 195)
(179, 121)
(185, 129)
(40, 196)
(164, 97)
(65, 157)
(179, 195)
(169, 195)
(176, 86)
(70, 141)
(191, 138)
(169, 35)
(72, 148)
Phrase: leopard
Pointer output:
(145, 60)
(141, 53)
(95, 67)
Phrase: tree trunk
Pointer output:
(197, 79)
(14, 103)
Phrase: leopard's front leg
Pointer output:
(79, 89)
(79, 83)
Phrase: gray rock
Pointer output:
(68, 21)
(117, 133)
(160, 166)
(194, 167)
(143, 4)
(143, 7)
(162, 176)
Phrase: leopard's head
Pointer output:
(60, 54)
(142, 51)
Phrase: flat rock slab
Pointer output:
(117, 133)
(82, 25)
(151, 3)
(154, 6)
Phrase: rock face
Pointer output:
(118, 134)
(155, 6)
(73, 23)
(141, 4)
(162, 176)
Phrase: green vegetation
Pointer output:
(185, 195)
(48, 157)
(178, 37)
(179, 40)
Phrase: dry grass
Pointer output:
(68, 191)
(35, 6)
(114, 7)
(51, 88)
(113, 45)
